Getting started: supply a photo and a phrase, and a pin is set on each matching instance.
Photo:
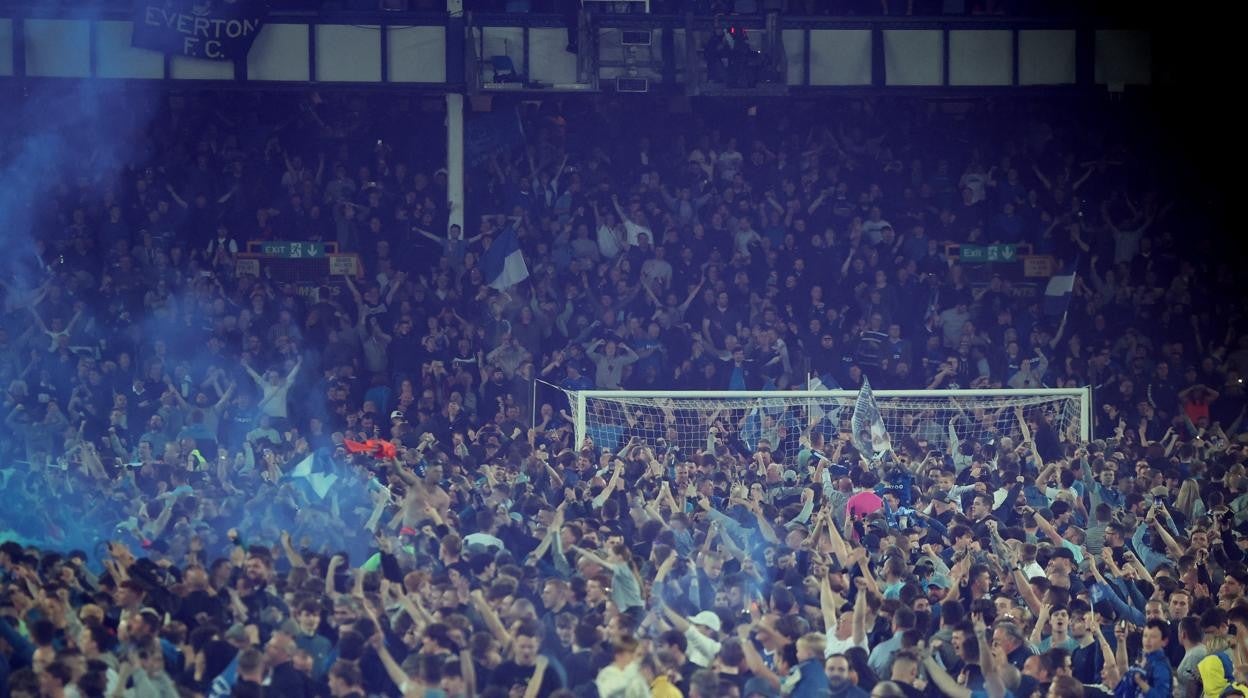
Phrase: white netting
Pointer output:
(684, 420)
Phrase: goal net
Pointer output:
(683, 421)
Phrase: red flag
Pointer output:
(386, 450)
(378, 448)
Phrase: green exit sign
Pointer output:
(988, 253)
(293, 250)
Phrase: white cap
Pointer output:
(708, 618)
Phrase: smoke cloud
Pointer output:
(65, 144)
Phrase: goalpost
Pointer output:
(683, 419)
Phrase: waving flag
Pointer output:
(757, 426)
(503, 264)
(1058, 293)
(318, 470)
(817, 413)
(378, 448)
(869, 434)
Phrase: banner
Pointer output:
(869, 435)
(491, 133)
(213, 29)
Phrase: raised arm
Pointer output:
(753, 659)
(858, 634)
(174, 193)
(294, 370)
(864, 566)
(468, 671)
(491, 619)
(829, 605)
(395, 284)
(948, 685)
(1048, 529)
(226, 396)
(539, 676)
(38, 320)
(615, 201)
(592, 557)
(228, 195)
(393, 670)
(694, 293)
(677, 621)
(994, 684)
(1042, 617)
(1023, 584)
(355, 292)
(612, 484)
(1040, 176)
(1159, 526)
(1079, 182)
(1108, 656)
(425, 233)
(764, 526)
(252, 372)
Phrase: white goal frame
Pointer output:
(580, 399)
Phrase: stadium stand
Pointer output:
(271, 428)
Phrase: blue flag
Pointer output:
(318, 469)
(503, 264)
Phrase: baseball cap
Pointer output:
(708, 618)
(289, 627)
(790, 475)
(397, 416)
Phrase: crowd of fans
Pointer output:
(216, 484)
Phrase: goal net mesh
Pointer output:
(684, 422)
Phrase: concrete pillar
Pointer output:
(455, 158)
(456, 80)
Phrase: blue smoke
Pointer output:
(63, 143)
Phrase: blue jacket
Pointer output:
(812, 682)
(23, 648)
(1121, 607)
(1160, 677)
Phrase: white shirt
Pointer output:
(614, 682)
(702, 649)
(484, 540)
(834, 645)
(657, 270)
(977, 183)
(744, 238)
(873, 230)
(609, 243)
